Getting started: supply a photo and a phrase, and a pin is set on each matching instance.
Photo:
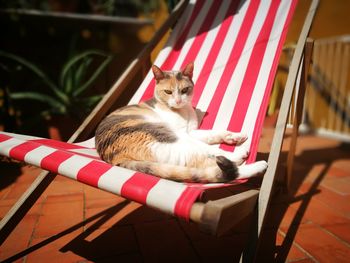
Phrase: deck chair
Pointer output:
(235, 46)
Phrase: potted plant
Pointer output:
(65, 101)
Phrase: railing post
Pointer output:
(298, 113)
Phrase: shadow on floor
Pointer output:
(10, 171)
(282, 199)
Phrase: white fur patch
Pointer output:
(253, 169)
(184, 119)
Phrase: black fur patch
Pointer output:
(144, 169)
(228, 168)
(196, 179)
(105, 135)
(178, 76)
(158, 131)
(190, 90)
(111, 128)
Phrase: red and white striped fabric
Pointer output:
(235, 46)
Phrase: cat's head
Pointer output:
(174, 88)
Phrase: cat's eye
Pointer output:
(169, 92)
(184, 90)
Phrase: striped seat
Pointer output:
(235, 46)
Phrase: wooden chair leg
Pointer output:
(264, 200)
(299, 109)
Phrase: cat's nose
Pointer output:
(178, 101)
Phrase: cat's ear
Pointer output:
(188, 70)
(157, 72)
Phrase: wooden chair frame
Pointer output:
(217, 216)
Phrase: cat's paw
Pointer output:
(239, 155)
(235, 138)
(260, 166)
(251, 170)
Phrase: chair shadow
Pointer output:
(101, 217)
(10, 171)
(268, 251)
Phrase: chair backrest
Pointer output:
(235, 46)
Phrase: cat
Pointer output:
(160, 136)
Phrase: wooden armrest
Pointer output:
(217, 217)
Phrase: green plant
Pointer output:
(66, 96)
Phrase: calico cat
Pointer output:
(160, 137)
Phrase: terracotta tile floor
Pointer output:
(72, 222)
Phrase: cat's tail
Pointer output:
(223, 171)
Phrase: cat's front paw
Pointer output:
(235, 138)
(260, 166)
(240, 155)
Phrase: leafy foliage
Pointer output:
(66, 96)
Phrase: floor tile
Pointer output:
(59, 213)
(164, 242)
(322, 214)
(291, 217)
(29, 173)
(128, 257)
(20, 237)
(49, 249)
(321, 245)
(66, 186)
(112, 215)
(221, 249)
(294, 253)
(5, 205)
(343, 164)
(338, 170)
(306, 260)
(316, 171)
(102, 244)
(193, 231)
(95, 193)
(17, 190)
(342, 231)
(102, 203)
(337, 202)
(340, 186)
